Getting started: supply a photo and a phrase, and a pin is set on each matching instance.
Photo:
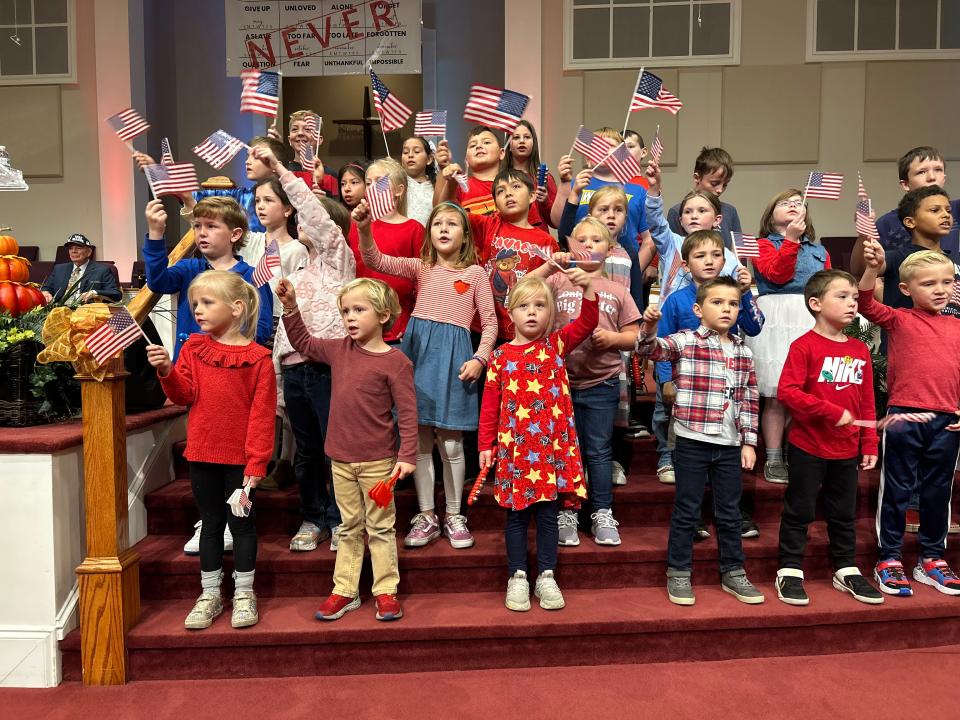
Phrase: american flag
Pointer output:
(219, 149)
(656, 148)
(393, 113)
(307, 157)
(825, 186)
(865, 225)
(166, 154)
(461, 179)
(127, 124)
(622, 164)
(261, 92)
(264, 271)
(593, 147)
(380, 198)
(311, 125)
(174, 179)
(431, 123)
(650, 93)
(117, 333)
(745, 246)
(495, 108)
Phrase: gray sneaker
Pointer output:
(308, 537)
(619, 476)
(567, 528)
(548, 591)
(518, 592)
(776, 472)
(205, 611)
(244, 609)
(736, 583)
(679, 588)
(605, 528)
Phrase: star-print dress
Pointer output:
(527, 416)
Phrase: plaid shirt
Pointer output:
(700, 375)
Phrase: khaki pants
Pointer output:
(352, 482)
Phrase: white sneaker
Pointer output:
(548, 591)
(204, 612)
(619, 476)
(193, 544)
(335, 538)
(518, 592)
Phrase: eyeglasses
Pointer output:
(792, 202)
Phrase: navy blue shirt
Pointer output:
(894, 235)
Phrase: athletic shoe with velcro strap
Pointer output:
(937, 574)
(891, 578)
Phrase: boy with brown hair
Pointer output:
(712, 171)
(484, 153)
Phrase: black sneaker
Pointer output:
(748, 528)
(790, 587)
(858, 586)
(701, 533)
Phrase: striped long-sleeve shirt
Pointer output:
(444, 294)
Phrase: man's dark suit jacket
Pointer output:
(96, 277)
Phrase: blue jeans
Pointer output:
(547, 536)
(661, 428)
(306, 392)
(696, 463)
(594, 411)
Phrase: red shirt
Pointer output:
(478, 200)
(820, 379)
(508, 252)
(231, 391)
(399, 240)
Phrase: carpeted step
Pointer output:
(473, 631)
(166, 573)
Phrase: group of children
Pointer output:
(459, 315)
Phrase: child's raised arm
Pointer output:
(656, 348)
(586, 322)
(405, 267)
(161, 278)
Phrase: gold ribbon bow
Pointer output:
(64, 335)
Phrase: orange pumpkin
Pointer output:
(14, 268)
(8, 245)
(17, 298)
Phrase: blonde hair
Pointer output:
(381, 297)
(225, 209)
(398, 179)
(230, 287)
(468, 251)
(600, 194)
(610, 134)
(530, 286)
(919, 259)
(595, 224)
(301, 115)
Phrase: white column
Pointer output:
(521, 50)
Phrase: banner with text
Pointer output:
(326, 37)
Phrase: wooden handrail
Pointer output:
(145, 300)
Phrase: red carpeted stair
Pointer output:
(617, 610)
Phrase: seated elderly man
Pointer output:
(83, 278)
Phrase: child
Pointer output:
(789, 256)
(634, 143)
(220, 227)
(227, 380)
(306, 385)
(370, 378)
(324, 178)
(703, 257)
(712, 172)
(716, 427)
(594, 368)
(352, 180)
(417, 158)
(826, 384)
(523, 153)
(451, 289)
(484, 154)
(507, 244)
(526, 425)
(916, 454)
(396, 235)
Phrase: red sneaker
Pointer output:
(335, 606)
(388, 607)
(913, 521)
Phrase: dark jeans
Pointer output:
(212, 484)
(917, 457)
(306, 392)
(594, 411)
(695, 463)
(837, 479)
(547, 536)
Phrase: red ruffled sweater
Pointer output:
(231, 391)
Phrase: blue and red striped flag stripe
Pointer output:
(495, 107)
(260, 93)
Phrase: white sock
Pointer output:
(210, 581)
(243, 581)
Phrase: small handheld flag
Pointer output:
(865, 225)
(380, 198)
(264, 272)
(461, 179)
(307, 159)
(825, 186)
(656, 147)
(116, 334)
(219, 149)
(174, 179)
(622, 164)
(166, 154)
(593, 147)
(496, 108)
(431, 123)
(127, 124)
(261, 92)
(393, 113)
(745, 246)
(650, 93)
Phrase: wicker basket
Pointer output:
(18, 406)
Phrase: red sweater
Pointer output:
(922, 352)
(232, 394)
(820, 379)
(366, 386)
